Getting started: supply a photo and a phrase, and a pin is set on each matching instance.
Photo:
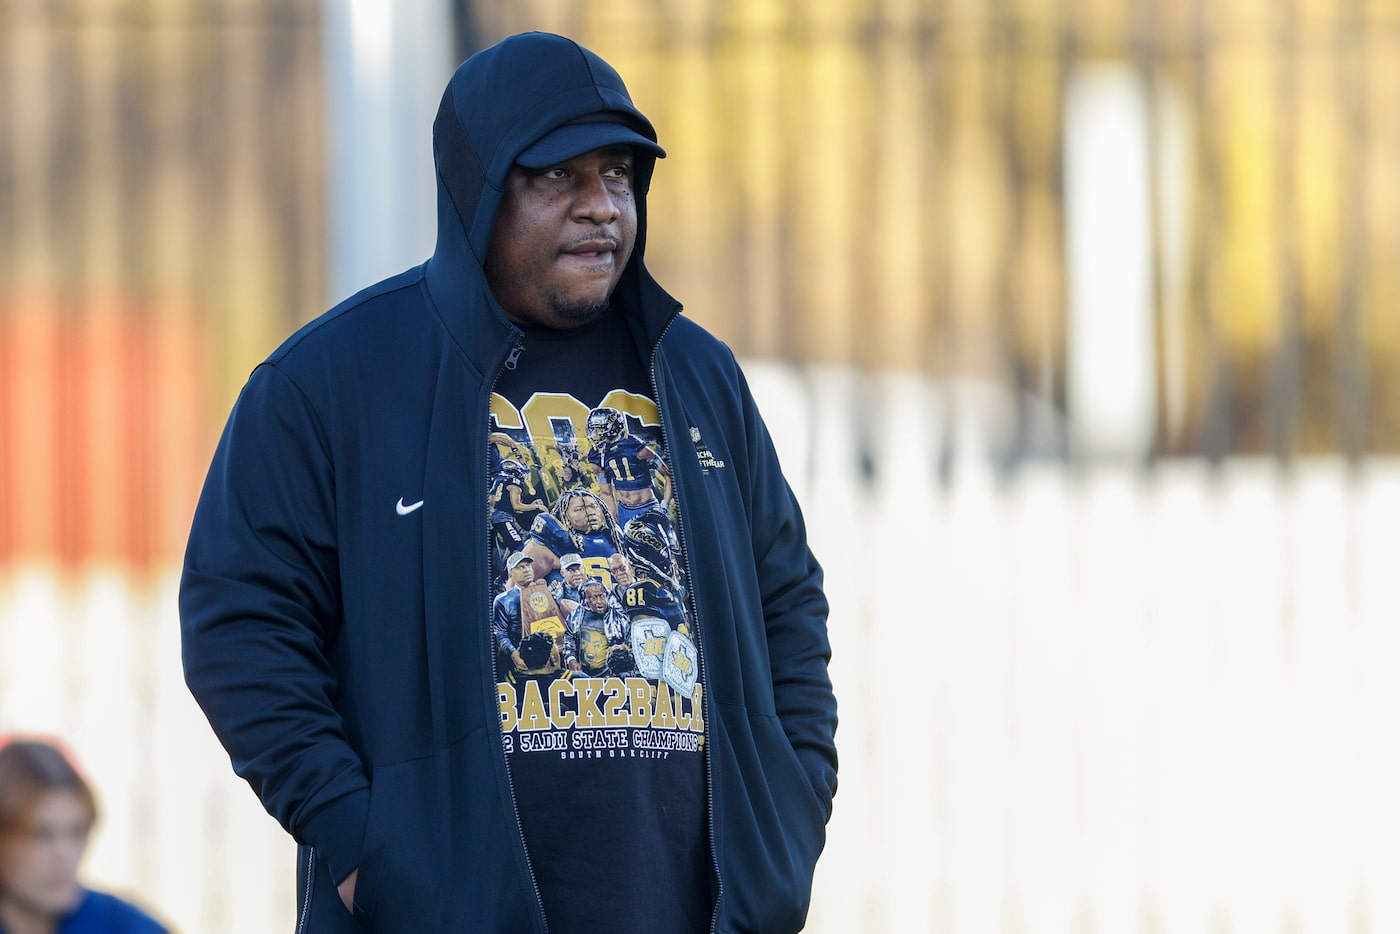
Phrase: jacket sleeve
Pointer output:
(794, 611)
(259, 604)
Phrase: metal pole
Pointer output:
(386, 63)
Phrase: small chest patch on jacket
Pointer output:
(703, 452)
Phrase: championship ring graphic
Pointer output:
(649, 635)
(680, 664)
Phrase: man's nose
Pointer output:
(595, 201)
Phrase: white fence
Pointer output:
(1108, 702)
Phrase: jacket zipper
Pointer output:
(694, 615)
(306, 895)
(511, 361)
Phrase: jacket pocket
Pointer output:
(798, 776)
(371, 855)
(771, 826)
(393, 885)
(320, 910)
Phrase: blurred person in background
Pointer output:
(47, 810)
(338, 584)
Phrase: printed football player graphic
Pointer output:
(526, 607)
(514, 495)
(599, 636)
(655, 604)
(509, 507)
(580, 524)
(540, 669)
(627, 467)
(570, 470)
(541, 661)
(501, 447)
(568, 590)
(622, 577)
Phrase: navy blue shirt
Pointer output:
(100, 913)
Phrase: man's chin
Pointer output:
(577, 314)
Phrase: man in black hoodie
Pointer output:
(340, 574)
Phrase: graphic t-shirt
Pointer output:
(599, 681)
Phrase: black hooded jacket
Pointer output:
(322, 610)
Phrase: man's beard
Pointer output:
(577, 314)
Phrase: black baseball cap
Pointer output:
(585, 134)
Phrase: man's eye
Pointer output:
(619, 171)
(555, 173)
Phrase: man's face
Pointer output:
(597, 599)
(562, 238)
(523, 573)
(583, 514)
(574, 576)
(39, 862)
(621, 570)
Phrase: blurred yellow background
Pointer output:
(1088, 311)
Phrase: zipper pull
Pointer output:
(514, 356)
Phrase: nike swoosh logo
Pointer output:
(403, 510)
